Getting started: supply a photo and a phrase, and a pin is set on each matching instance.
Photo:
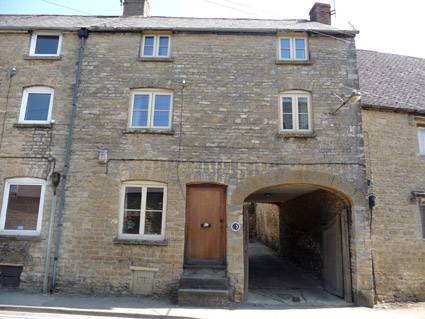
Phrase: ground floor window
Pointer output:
(22, 207)
(143, 210)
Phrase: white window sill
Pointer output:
(33, 125)
(140, 241)
(155, 59)
(297, 134)
(42, 57)
(149, 131)
(20, 237)
(294, 62)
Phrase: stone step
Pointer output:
(204, 265)
(204, 273)
(203, 282)
(203, 297)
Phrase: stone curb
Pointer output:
(72, 311)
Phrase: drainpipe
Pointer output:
(83, 34)
(55, 182)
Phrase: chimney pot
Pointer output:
(135, 8)
(321, 12)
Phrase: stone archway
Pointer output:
(323, 180)
(347, 191)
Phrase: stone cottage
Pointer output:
(393, 117)
(132, 147)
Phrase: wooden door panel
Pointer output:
(205, 205)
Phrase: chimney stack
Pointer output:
(321, 12)
(135, 8)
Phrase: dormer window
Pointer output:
(156, 46)
(45, 44)
(293, 49)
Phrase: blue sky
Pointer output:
(385, 25)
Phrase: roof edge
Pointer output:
(407, 110)
(346, 33)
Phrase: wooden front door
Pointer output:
(205, 224)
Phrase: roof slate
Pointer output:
(119, 23)
(391, 81)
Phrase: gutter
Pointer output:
(83, 34)
(95, 28)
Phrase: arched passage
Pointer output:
(297, 238)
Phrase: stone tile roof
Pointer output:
(392, 81)
(118, 23)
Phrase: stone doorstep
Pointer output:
(203, 273)
(203, 283)
(218, 292)
(203, 297)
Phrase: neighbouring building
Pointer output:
(393, 116)
(166, 132)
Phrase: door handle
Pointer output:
(205, 225)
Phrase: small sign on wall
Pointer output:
(235, 226)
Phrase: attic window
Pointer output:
(45, 44)
(156, 46)
(421, 140)
(293, 49)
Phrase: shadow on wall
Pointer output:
(302, 221)
(294, 228)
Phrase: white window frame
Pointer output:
(34, 42)
(294, 95)
(293, 49)
(156, 46)
(22, 181)
(144, 186)
(422, 219)
(36, 89)
(421, 141)
(152, 95)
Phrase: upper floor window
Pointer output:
(22, 207)
(36, 106)
(156, 46)
(421, 139)
(295, 111)
(293, 48)
(45, 44)
(422, 212)
(143, 210)
(151, 109)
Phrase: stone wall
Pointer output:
(395, 170)
(252, 221)
(267, 224)
(228, 114)
(24, 149)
